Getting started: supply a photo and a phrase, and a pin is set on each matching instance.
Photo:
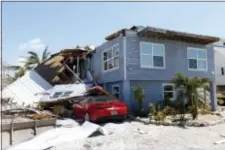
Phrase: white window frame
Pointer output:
(61, 95)
(103, 61)
(174, 90)
(113, 86)
(152, 55)
(206, 59)
(51, 96)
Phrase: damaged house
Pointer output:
(69, 67)
(150, 57)
(144, 56)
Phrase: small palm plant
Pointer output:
(139, 97)
(181, 84)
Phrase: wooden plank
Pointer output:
(29, 124)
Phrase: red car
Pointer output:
(98, 105)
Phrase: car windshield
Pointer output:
(97, 97)
(102, 98)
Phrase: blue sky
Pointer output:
(32, 25)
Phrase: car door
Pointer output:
(80, 109)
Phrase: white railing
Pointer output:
(204, 95)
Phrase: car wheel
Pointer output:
(86, 117)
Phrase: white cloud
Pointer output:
(21, 61)
(32, 45)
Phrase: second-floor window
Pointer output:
(111, 58)
(197, 59)
(152, 55)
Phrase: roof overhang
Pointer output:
(115, 34)
(73, 52)
(177, 36)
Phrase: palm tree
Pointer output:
(30, 62)
(187, 87)
(34, 60)
(19, 71)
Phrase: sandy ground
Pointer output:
(125, 136)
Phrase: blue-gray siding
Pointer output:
(97, 62)
(153, 92)
(125, 92)
(150, 79)
(111, 84)
(175, 57)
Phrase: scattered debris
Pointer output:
(66, 122)
(223, 136)
(63, 105)
(141, 131)
(39, 116)
(220, 141)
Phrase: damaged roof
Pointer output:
(166, 34)
(115, 34)
(178, 36)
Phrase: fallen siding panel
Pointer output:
(23, 90)
(76, 89)
(60, 135)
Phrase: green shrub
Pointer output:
(169, 111)
(159, 116)
(158, 113)
(158, 108)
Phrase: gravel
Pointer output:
(135, 136)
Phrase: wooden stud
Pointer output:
(11, 132)
(78, 73)
(35, 127)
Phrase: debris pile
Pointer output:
(48, 92)
(71, 132)
(55, 83)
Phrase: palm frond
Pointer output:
(13, 67)
(33, 56)
(179, 80)
(20, 72)
(31, 53)
(45, 54)
(31, 62)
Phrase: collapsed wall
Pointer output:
(23, 90)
